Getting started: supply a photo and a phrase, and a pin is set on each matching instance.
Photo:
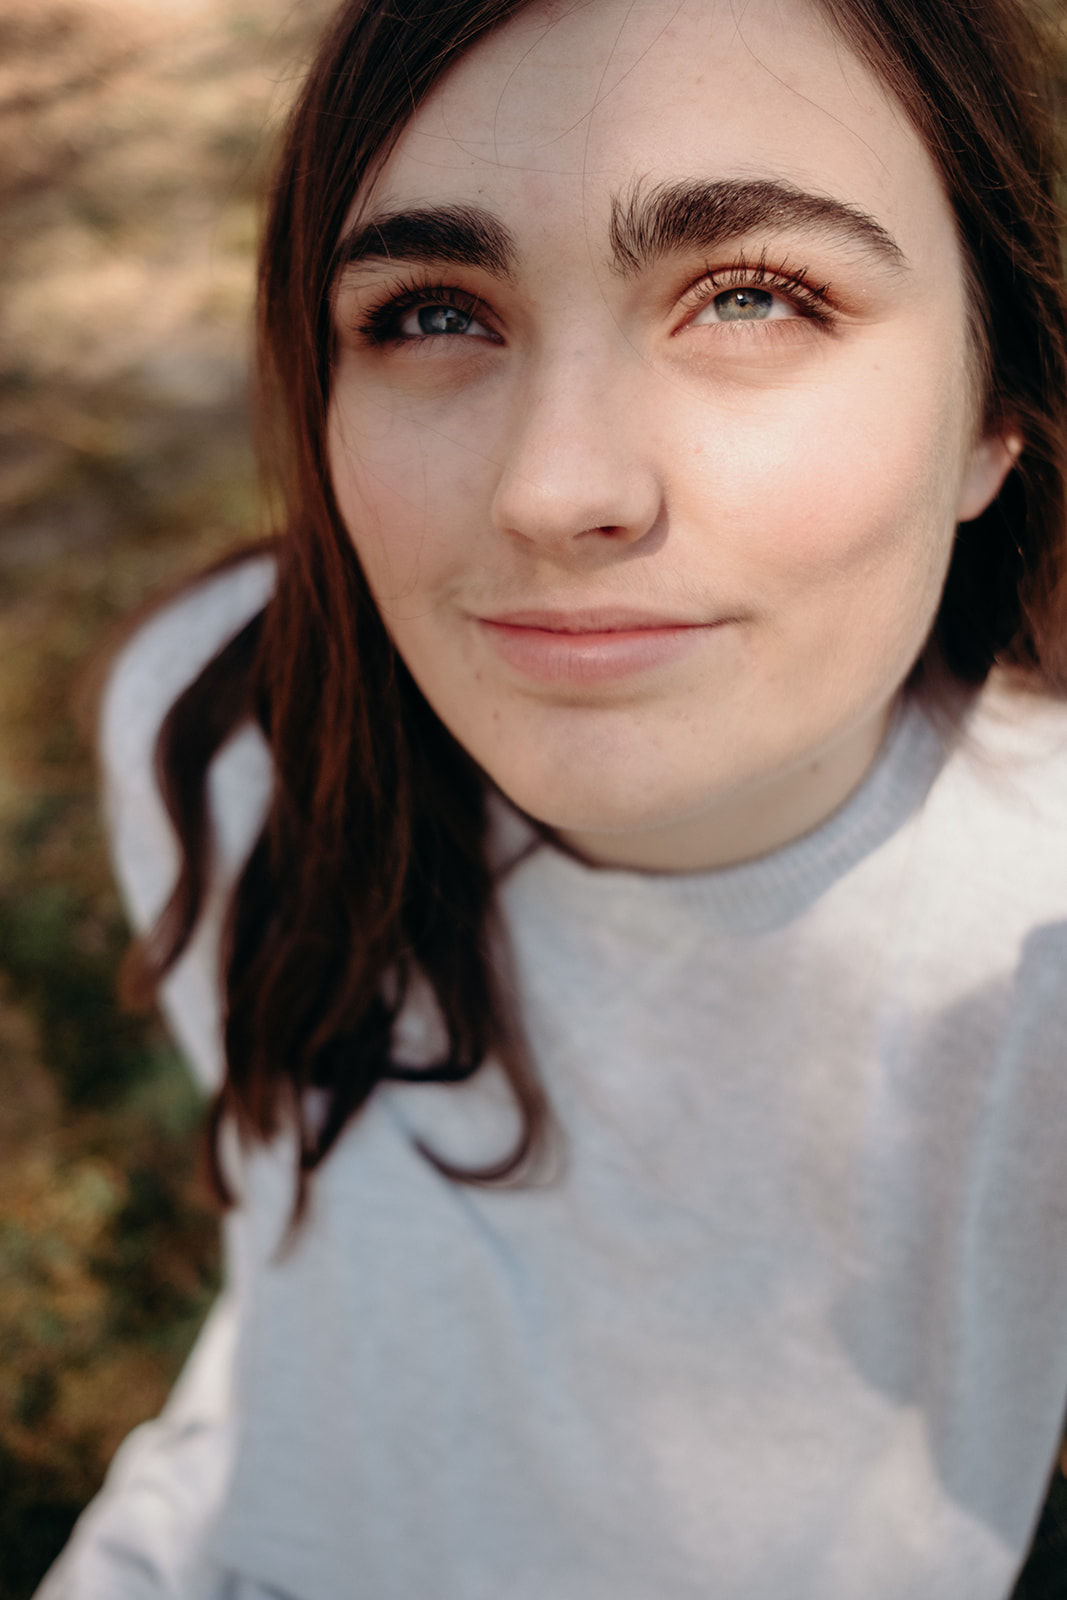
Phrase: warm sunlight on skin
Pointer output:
(653, 458)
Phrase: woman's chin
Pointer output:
(594, 810)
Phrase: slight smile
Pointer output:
(594, 646)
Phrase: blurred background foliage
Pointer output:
(133, 138)
(134, 135)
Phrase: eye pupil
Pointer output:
(744, 305)
(443, 319)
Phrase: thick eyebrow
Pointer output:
(694, 215)
(464, 236)
(649, 224)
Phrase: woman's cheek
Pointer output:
(838, 488)
(397, 488)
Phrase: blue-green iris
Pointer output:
(744, 305)
(443, 319)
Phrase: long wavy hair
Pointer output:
(372, 865)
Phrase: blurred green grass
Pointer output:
(133, 138)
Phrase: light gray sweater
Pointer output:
(790, 1322)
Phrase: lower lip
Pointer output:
(580, 659)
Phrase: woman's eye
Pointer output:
(427, 322)
(746, 304)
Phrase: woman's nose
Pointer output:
(577, 461)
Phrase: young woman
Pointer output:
(628, 804)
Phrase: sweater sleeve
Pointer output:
(144, 1535)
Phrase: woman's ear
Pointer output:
(992, 458)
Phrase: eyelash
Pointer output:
(811, 301)
(379, 324)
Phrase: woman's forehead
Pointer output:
(567, 106)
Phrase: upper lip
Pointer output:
(595, 619)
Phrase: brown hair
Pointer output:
(372, 864)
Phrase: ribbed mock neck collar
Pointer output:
(768, 891)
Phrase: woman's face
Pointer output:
(653, 417)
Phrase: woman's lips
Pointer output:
(577, 648)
